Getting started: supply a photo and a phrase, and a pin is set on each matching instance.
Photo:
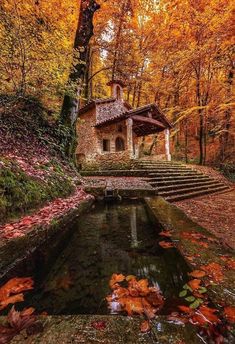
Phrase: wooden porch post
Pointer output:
(129, 123)
(167, 144)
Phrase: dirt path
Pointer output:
(215, 212)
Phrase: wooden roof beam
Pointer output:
(148, 120)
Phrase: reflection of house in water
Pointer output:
(110, 130)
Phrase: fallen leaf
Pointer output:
(194, 284)
(116, 278)
(167, 234)
(99, 325)
(197, 273)
(229, 312)
(11, 300)
(145, 326)
(166, 244)
(214, 270)
(185, 309)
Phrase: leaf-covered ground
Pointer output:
(214, 212)
(33, 167)
(53, 211)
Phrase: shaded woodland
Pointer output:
(178, 54)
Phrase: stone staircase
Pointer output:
(176, 182)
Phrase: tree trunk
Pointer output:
(83, 34)
(201, 122)
(224, 139)
(186, 141)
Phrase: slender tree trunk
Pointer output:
(186, 140)
(118, 40)
(87, 75)
(201, 121)
(224, 138)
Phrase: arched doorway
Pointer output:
(119, 144)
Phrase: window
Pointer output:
(119, 144)
(118, 92)
(106, 145)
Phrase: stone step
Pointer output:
(166, 173)
(165, 167)
(161, 181)
(190, 185)
(187, 195)
(188, 189)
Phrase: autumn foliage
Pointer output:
(134, 297)
(11, 293)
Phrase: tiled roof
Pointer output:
(137, 111)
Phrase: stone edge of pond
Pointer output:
(171, 217)
(14, 251)
(135, 192)
(90, 329)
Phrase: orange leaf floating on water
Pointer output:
(145, 326)
(136, 298)
(132, 305)
(14, 286)
(166, 244)
(11, 300)
(167, 234)
(116, 278)
(197, 273)
(214, 270)
(194, 284)
(229, 312)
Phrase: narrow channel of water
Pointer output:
(112, 238)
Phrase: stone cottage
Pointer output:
(109, 130)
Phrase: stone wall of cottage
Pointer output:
(89, 152)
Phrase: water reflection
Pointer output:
(111, 239)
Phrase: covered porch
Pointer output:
(145, 121)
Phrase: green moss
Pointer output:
(20, 192)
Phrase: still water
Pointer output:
(112, 238)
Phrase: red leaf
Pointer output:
(145, 326)
(166, 234)
(99, 325)
(229, 312)
(185, 309)
(166, 244)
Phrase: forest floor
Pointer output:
(214, 212)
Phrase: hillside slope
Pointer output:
(33, 166)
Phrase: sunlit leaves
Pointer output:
(131, 296)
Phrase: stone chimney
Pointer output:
(116, 87)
